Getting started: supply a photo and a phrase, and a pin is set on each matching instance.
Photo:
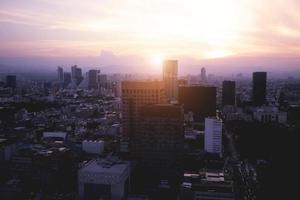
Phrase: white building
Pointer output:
(57, 134)
(104, 178)
(95, 147)
(213, 135)
(270, 114)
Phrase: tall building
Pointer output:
(201, 100)
(67, 79)
(170, 73)
(93, 79)
(102, 80)
(60, 74)
(259, 88)
(76, 73)
(11, 81)
(160, 136)
(136, 94)
(213, 135)
(203, 74)
(228, 93)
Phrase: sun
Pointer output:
(157, 60)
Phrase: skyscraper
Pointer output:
(201, 100)
(170, 73)
(67, 79)
(160, 136)
(259, 88)
(134, 95)
(76, 73)
(11, 81)
(213, 135)
(228, 93)
(93, 79)
(60, 74)
(203, 74)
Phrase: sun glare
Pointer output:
(157, 60)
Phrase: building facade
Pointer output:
(160, 136)
(213, 135)
(136, 94)
(228, 93)
(259, 88)
(170, 76)
(201, 100)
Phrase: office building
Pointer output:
(93, 79)
(67, 79)
(170, 72)
(103, 179)
(11, 81)
(203, 74)
(200, 100)
(213, 135)
(76, 73)
(228, 93)
(259, 88)
(134, 95)
(102, 79)
(93, 147)
(160, 136)
(60, 74)
(206, 185)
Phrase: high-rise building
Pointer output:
(170, 73)
(60, 74)
(201, 100)
(93, 79)
(11, 81)
(76, 73)
(67, 79)
(213, 135)
(203, 74)
(228, 93)
(102, 79)
(259, 88)
(134, 95)
(160, 136)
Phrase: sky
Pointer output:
(139, 31)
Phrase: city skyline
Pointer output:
(218, 33)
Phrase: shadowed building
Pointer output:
(76, 73)
(259, 88)
(93, 79)
(228, 93)
(136, 94)
(67, 79)
(201, 100)
(160, 136)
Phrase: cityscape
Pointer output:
(144, 121)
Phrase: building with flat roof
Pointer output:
(103, 179)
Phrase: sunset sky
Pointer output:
(151, 29)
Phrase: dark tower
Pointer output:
(201, 100)
(228, 93)
(259, 88)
